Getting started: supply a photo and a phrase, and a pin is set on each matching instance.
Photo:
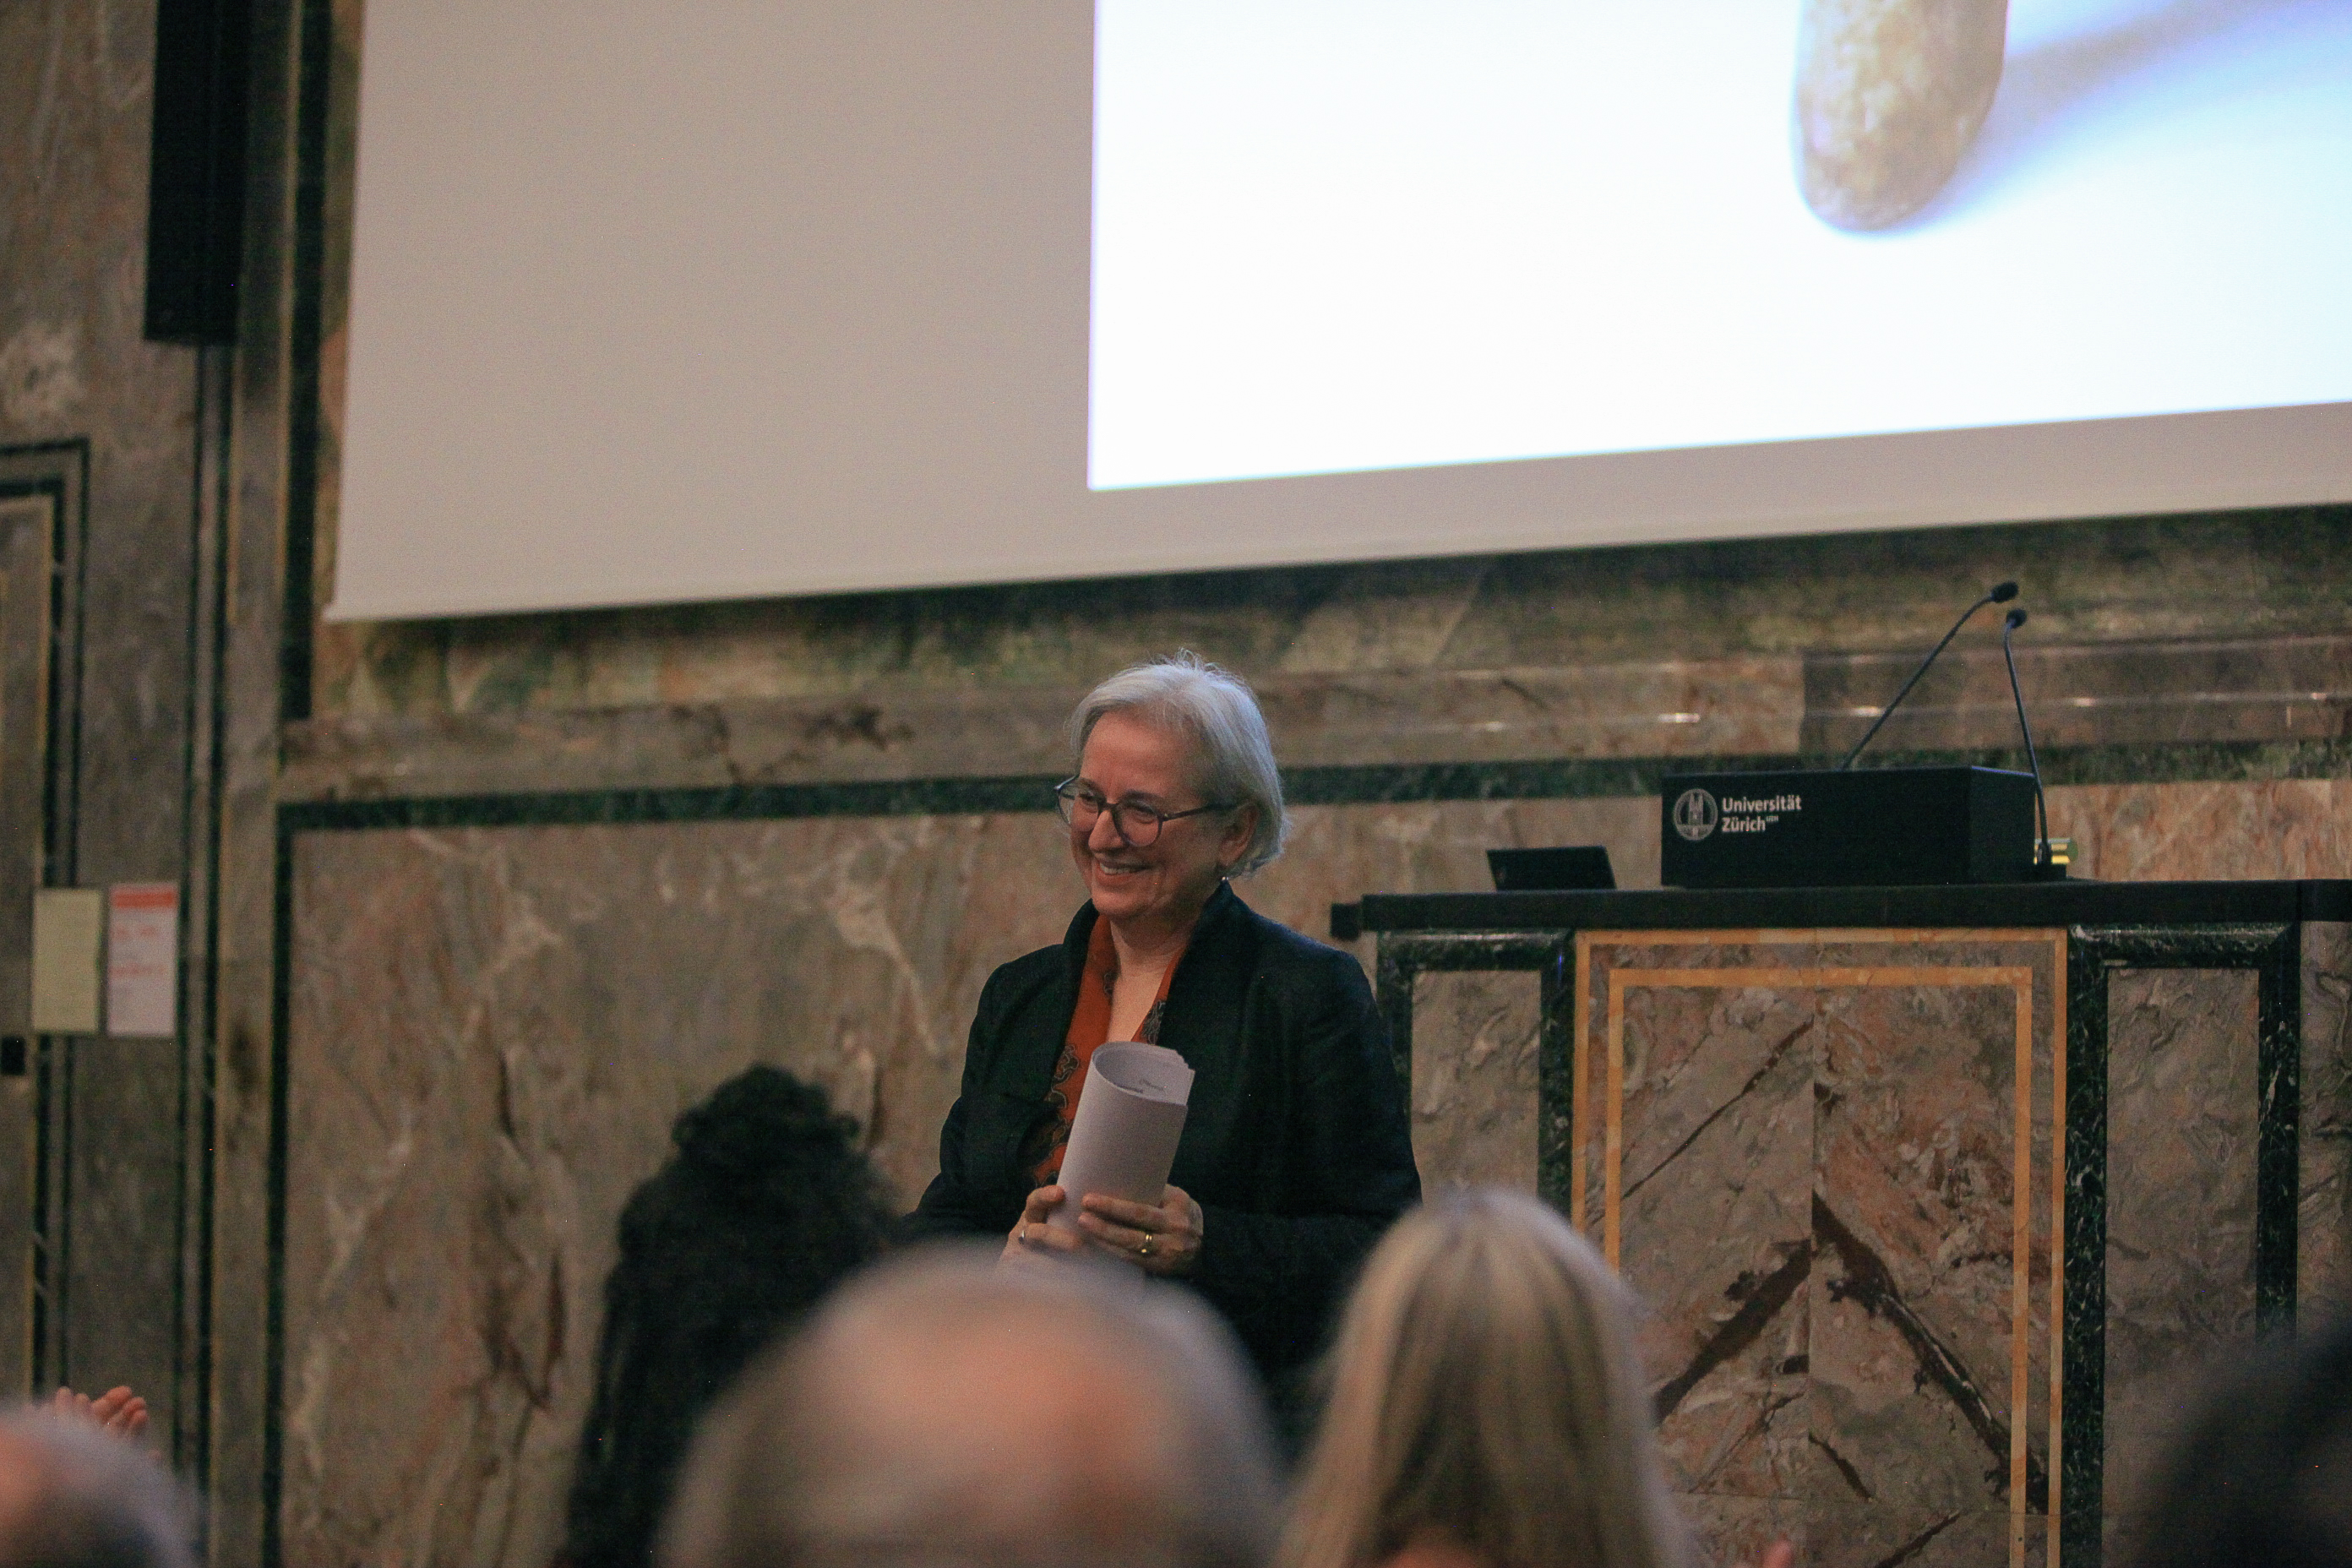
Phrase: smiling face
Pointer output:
(1162, 886)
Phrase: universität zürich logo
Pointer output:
(1696, 814)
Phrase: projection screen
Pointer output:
(655, 303)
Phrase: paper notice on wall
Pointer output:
(67, 925)
(142, 960)
(1123, 1139)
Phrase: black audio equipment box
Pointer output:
(1568, 868)
(1825, 828)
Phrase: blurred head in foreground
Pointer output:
(71, 1496)
(943, 1410)
(1485, 1403)
(2263, 1471)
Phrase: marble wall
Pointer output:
(1834, 1193)
(1827, 1168)
(2182, 1111)
(490, 1033)
(491, 1028)
(1840, 612)
(1475, 1093)
(2324, 1210)
(119, 425)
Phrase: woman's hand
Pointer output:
(1165, 1240)
(1032, 1238)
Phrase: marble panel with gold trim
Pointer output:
(1824, 1161)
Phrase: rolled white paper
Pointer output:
(1123, 1139)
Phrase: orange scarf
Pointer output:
(1089, 1027)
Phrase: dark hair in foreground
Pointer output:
(2262, 1471)
(767, 1203)
(76, 1496)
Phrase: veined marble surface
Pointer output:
(2218, 831)
(491, 1032)
(1691, 708)
(117, 423)
(492, 1028)
(1818, 1202)
(2183, 1107)
(1879, 600)
(2323, 1230)
(1476, 1036)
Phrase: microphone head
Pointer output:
(2002, 593)
(2015, 619)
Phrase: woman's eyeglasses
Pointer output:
(1136, 823)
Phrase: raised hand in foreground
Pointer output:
(119, 1413)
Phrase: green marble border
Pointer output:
(908, 797)
(60, 471)
(1365, 785)
(2274, 952)
(1402, 958)
(312, 23)
(307, 280)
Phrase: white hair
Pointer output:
(1216, 710)
(94, 1497)
(855, 1441)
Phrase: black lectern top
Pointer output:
(1980, 905)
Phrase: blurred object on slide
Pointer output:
(1889, 94)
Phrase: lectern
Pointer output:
(1936, 1197)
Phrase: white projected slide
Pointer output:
(1344, 235)
(654, 303)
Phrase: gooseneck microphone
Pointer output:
(1998, 593)
(2014, 619)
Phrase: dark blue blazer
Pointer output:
(1295, 1144)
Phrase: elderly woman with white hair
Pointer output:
(1296, 1154)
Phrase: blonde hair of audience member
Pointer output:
(943, 1410)
(1485, 1405)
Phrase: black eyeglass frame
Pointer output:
(1067, 800)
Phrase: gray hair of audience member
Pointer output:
(945, 1409)
(74, 1497)
(1217, 712)
(1485, 1391)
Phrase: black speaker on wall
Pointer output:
(195, 181)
